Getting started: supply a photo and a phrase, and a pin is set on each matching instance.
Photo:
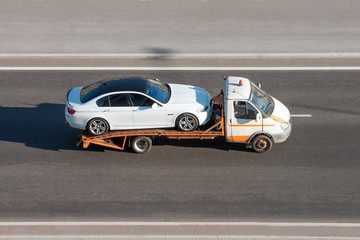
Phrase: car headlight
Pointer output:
(284, 125)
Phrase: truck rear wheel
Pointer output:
(141, 144)
(261, 144)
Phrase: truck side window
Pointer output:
(244, 110)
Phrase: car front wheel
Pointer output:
(187, 122)
(97, 126)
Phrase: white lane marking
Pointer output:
(350, 68)
(270, 224)
(191, 55)
(301, 115)
(175, 237)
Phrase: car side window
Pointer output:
(140, 100)
(119, 100)
(103, 102)
(244, 110)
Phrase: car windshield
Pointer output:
(261, 99)
(158, 90)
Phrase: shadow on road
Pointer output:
(42, 127)
(217, 143)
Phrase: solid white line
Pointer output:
(191, 55)
(269, 224)
(301, 115)
(175, 237)
(349, 68)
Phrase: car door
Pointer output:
(243, 121)
(117, 110)
(147, 113)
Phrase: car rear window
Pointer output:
(91, 91)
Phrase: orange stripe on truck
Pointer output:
(280, 120)
(239, 138)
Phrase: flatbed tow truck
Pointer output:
(243, 114)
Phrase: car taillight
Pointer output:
(70, 110)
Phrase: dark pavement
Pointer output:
(314, 176)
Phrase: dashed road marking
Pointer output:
(301, 115)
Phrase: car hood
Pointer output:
(187, 94)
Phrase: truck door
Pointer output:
(243, 122)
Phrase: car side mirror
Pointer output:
(154, 106)
(258, 117)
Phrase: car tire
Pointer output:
(141, 144)
(187, 122)
(97, 126)
(261, 144)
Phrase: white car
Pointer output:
(136, 103)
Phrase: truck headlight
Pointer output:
(284, 125)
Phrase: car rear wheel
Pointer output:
(187, 122)
(97, 126)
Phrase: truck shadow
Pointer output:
(217, 143)
(42, 126)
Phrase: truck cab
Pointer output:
(252, 116)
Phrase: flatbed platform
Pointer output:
(140, 138)
(117, 139)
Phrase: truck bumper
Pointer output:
(281, 137)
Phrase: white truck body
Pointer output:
(249, 111)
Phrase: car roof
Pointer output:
(135, 84)
(109, 85)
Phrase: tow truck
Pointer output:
(244, 114)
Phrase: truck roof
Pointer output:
(237, 90)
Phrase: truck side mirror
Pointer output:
(258, 117)
(259, 85)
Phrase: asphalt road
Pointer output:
(314, 176)
(171, 26)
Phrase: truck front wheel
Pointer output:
(261, 144)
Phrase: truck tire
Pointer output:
(187, 122)
(141, 144)
(261, 144)
(97, 126)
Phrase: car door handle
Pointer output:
(106, 110)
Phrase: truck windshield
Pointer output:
(261, 99)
